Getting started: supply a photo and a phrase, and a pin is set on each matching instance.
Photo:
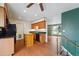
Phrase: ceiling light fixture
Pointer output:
(35, 14)
(24, 11)
(19, 17)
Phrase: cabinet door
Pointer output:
(29, 40)
(6, 46)
(42, 37)
(2, 17)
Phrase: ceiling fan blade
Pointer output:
(30, 5)
(41, 7)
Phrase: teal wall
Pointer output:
(70, 24)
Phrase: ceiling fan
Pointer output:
(40, 4)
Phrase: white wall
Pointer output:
(27, 27)
(23, 27)
(55, 19)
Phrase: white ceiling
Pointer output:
(34, 13)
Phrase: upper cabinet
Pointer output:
(2, 17)
(39, 25)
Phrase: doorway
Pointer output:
(54, 35)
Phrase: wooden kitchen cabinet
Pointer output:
(29, 40)
(6, 46)
(42, 37)
(41, 25)
(2, 17)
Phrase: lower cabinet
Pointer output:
(6, 46)
(42, 37)
(29, 41)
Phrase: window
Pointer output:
(54, 29)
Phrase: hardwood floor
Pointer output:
(38, 49)
(19, 45)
